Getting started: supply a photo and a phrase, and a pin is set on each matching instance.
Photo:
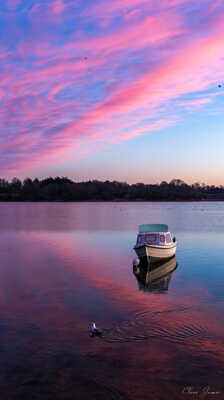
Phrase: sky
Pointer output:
(126, 90)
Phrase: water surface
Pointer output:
(64, 265)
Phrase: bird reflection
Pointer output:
(154, 277)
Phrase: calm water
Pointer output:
(65, 265)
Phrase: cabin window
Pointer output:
(151, 238)
(168, 238)
(140, 239)
(162, 238)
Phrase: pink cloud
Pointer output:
(13, 4)
(55, 90)
(140, 68)
(58, 6)
(2, 93)
(115, 6)
(194, 103)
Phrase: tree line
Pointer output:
(64, 189)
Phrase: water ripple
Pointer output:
(145, 325)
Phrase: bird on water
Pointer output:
(94, 330)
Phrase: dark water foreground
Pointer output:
(65, 265)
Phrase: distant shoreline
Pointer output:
(112, 201)
(65, 190)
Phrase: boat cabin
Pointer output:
(156, 234)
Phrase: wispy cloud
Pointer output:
(102, 73)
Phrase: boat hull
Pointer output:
(155, 253)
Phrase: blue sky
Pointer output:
(124, 91)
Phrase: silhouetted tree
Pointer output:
(64, 189)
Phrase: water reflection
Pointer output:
(155, 277)
(65, 265)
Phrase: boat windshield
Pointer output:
(154, 238)
(150, 238)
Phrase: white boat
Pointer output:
(155, 242)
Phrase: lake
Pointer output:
(64, 265)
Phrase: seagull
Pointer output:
(95, 330)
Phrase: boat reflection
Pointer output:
(154, 277)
